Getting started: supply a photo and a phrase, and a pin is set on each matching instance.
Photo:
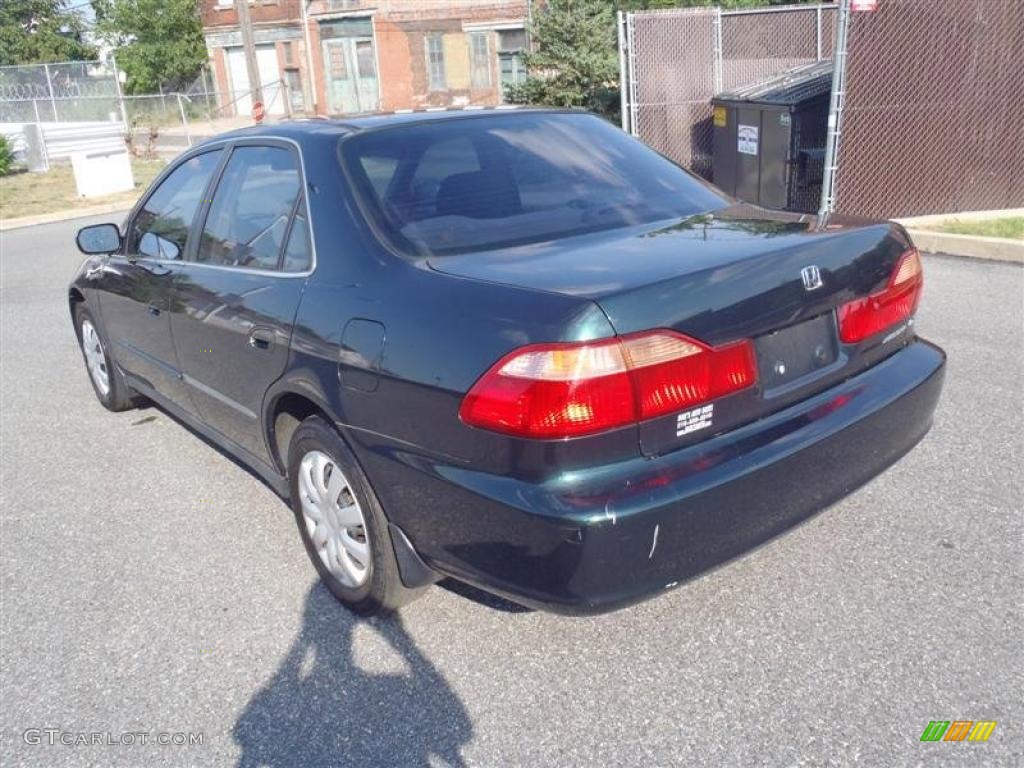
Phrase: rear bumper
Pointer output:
(597, 540)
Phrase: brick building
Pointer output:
(348, 56)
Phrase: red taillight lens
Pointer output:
(568, 390)
(672, 372)
(862, 318)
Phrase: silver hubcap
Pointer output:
(94, 358)
(334, 519)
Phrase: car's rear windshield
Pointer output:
(479, 183)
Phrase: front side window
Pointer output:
(479, 183)
(161, 228)
(436, 79)
(248, 217)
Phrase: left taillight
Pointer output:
(570, 390)
(863, 318)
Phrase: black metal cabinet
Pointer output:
(769, 139)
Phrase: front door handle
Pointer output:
(261, 338)
(153, 310)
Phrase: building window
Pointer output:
(436, 80)
(289, 53)
(511, 44)
(364, 59)
(480, 59)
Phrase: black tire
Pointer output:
(383, 590)
(119, 396)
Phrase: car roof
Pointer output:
(301, 128)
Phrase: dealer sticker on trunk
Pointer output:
(691, 421)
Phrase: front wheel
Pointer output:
(341, 522)
(110, 388)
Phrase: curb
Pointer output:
(974, 247)
(51, 218)
(923, 230)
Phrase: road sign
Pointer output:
(864, 5)
(257, 111)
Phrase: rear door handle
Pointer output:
(261, 338)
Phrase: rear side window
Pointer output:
(161, 228)
(481, 183)
(248, 219)
(298, 252)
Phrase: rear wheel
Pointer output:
(341, 522)
(107, 382)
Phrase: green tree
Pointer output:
(37, 31)
(575, 61)
(158, 43)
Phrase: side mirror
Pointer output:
(99, 239)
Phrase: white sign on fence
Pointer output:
(746, 139)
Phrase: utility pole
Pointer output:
(245, 25)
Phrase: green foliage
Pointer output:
(37, 31)
(575, 62)
(157, 42)
(6, 156)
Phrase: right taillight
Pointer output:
(569, 390)
(862, 318)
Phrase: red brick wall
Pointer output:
(395, 58)
(261, 11)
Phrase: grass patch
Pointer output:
(31, 194)
(1012, 227)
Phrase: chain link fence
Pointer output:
(676, 60)
(933, 115)
(932, 112)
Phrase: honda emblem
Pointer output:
(812, 277)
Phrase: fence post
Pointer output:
(184, 119)
(49, 87)
(719, 78)
(835, 110)
(120, 95)
(631, 67)
(818, 19)
(623, 79)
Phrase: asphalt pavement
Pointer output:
(152, 586)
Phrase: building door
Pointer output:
(350, 66)
(270, 75)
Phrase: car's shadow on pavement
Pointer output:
(321, 709)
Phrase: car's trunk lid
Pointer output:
(734, 274)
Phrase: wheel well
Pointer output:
(75, 298)
(290, 410)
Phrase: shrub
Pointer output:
(6, 156)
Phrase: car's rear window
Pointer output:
(480, 183)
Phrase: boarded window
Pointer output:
(480, 59)
(339, 71)
(512, 40)
(364, 59)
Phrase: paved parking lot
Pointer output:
(150, 585)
